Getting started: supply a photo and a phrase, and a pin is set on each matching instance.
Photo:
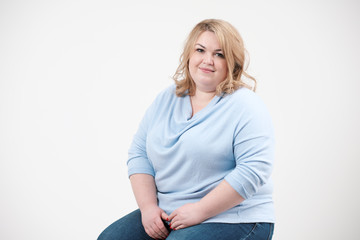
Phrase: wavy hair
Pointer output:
(233, 48)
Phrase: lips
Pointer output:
(206, 70)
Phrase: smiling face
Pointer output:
(207, 64)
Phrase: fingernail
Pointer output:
(167, 219)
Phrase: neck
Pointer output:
(203, 96)
(200, 100)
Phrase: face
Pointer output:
(207, 64)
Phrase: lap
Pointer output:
(218, 231)
(130, 228)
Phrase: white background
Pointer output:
(77, 76)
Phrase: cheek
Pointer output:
(223, 72)
(191, 66)
(223, 68)
(193, 63)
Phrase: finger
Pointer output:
(150, 233)
(164, 216)
(155, 234)
(159, 227)
(172, 215)
(174, 223)
(179, 227)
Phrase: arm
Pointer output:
(141, 174)
(144, 189)
(253, 147)
(220, 199)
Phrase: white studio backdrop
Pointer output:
(77, 76)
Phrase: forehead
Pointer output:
(209, 40)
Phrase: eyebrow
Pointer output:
(216, 50)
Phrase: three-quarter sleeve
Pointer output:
(231, 138)
(253, 148)
(138, 161)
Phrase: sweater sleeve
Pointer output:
(253, 148)
(138, 161)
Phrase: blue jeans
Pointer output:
(131, 228)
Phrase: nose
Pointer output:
(208, 59)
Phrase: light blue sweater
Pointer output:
(231, 138)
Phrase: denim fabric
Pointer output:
(130, 228)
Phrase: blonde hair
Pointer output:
(233, 48)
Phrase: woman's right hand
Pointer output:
(151, 218)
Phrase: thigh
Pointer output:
(127, 228)
(263, 231)
(218, 231)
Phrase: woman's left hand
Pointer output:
(185, 216)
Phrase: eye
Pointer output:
(220, 55)
(200, 50)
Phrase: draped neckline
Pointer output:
(188, 108)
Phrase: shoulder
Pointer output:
(250, 111)
(244, 93)
(160, 102)
(163, 99)
(246, 99)
(167, 93)
(248, 107)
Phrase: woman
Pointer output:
(201, 160)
